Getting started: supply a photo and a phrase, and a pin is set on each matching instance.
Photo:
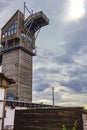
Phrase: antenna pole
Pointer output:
(53, 95)
(24, 8)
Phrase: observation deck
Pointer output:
(35, 21)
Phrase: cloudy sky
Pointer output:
(61, 60)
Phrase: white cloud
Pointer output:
(62, 51)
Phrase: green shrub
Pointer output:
(63, 127)
(74, 126)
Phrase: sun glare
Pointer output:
(76, 9)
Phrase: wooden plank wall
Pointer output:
(25, 77)
(10, 68)
(85, 121)
(18, 65)
(47, 119)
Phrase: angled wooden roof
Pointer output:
(9, 80)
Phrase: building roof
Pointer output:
(18, 11)
(16, 103)
(9, 80)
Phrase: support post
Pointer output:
(53, 96)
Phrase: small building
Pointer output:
(34, 116)
(13, 105)
(59, 118)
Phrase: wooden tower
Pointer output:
(18, 48)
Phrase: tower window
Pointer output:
(11, 30)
